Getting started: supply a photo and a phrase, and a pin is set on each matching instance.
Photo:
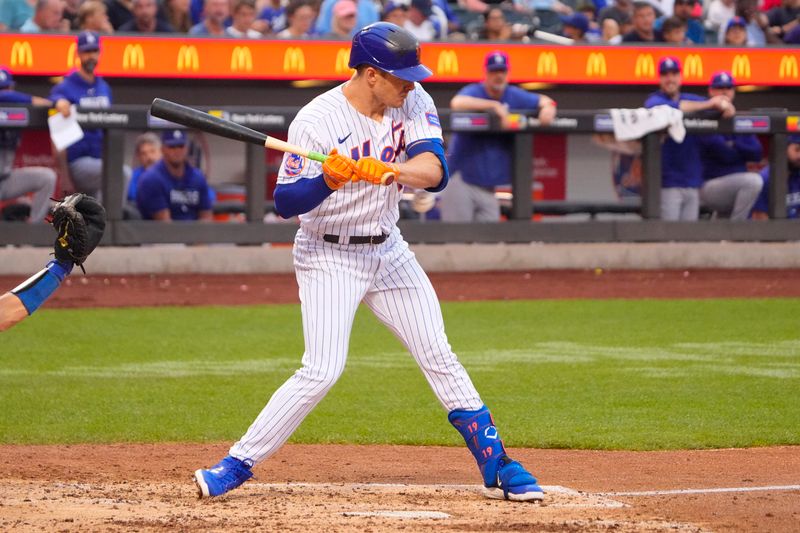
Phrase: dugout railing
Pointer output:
(519, 228)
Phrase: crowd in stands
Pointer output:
(729, 22)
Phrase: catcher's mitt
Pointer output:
(80, 221)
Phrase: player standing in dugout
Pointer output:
(349, 249)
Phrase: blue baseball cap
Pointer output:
(173, 138)
(88, 41)
(6, 79)
(794, 138)
(736, 21)
(576, 20)
(669, 64)
(722, 80)
(496, 60)
(391, 6)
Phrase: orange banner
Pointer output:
(179, 57)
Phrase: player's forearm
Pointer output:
(690, 106)
(423, 171)
(292, 199)
(11, 311)
(472, 103)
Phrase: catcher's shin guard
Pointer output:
(503, 477)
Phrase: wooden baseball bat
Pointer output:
(200, 120)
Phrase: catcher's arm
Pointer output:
(26, 298)
(11, 310)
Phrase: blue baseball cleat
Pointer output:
(222, 477)
(514, 483)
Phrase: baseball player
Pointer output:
(80, 222)
(85, 89)
(682, 172)
(761, 208)
(729, 189)
(349, 250)
(482, 161)
(14, 182)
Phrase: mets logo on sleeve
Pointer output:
(433, 119)
(294, 164)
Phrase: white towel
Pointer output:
(632, 124)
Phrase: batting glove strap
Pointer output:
(482, 439)
(372, 170)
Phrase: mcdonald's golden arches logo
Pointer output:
(645, 66)
(788, 68)
(447, 64)
(596, 65)
(188, 59)
(21, 54)
(294, 60)
(693, 68)
(741, 66)
(547, 64)
(72, 59)
(342, 60)
(242, 59)
(133, 57)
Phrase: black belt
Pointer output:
(356, 239)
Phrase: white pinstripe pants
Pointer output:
(333, 280)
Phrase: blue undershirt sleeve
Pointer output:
(301, 196)
(436, 147)
(38, 288)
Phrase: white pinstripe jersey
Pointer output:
(328, 122)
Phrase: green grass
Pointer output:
(610, 374)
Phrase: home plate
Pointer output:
(424, 515)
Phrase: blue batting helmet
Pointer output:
(390, 48)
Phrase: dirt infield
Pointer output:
(391, 488)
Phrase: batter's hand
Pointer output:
(337, 170)
(375, 171)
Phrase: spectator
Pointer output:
(621, 11)
(367, 14)
(793, 37)
(15, 182)
(148, 153)
(532, 6)
(480, 162)
(761, 209)
(69, 18)
(172, 189)
(84, 89)
(575, 27)
(673, 31)
(421, 22)
(176, 13)
(684, 9)
(47, 16)
(448, 18)
(14, 13)
(300, 17)
(344, 20)
(272, 18)
(719, 13)
(244, 15)
(215, 13)
(610, 31)
(757, 25)
(785, 18)
(119, 12)
(396, 13)
(93, 16)
(644, 17)
(736, 32)
(587, 8)
(728, 188)
(496, 28)
(145, 19)
(681, 171)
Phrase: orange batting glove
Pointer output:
(375, 171)
(337, 170)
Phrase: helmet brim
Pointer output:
(415, 73)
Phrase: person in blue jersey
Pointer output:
(481, 161)
(16, 182)
(681, 168)
(84, 89)
(761, 208)
(729, 189)
(172, 189)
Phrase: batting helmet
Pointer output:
(390, 48)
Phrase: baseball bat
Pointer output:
(200, 120)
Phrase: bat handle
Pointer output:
(388, 178)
